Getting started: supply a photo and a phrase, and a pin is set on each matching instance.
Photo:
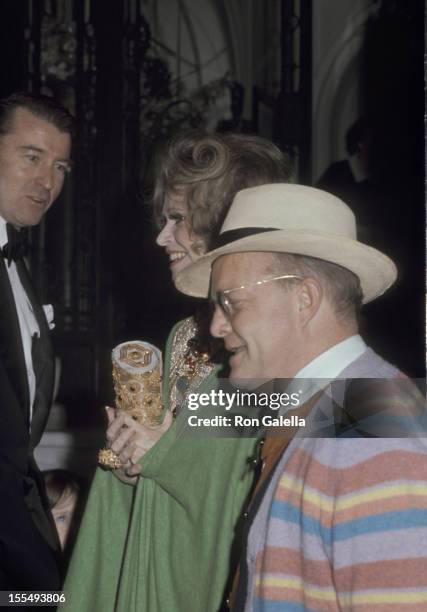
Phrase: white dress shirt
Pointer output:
(27, 321)
(326, 367)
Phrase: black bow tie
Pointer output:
(17, 244)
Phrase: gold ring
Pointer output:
(109, 459)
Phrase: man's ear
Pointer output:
(310, 296)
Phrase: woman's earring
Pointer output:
(199, 247)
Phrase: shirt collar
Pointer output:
(331, 362)
(326, 367)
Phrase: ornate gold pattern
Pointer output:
(188, 367)
(138, 395)
(137, 386)
(108, 459)
(134, 355)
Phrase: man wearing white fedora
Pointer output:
(338, 520)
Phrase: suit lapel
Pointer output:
(11, 346)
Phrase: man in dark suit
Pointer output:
(35, 144)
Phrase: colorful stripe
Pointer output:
(352, 538)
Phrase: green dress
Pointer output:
(163, 545)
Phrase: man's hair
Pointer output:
(209, 169)
(341, 286)
(43, 107)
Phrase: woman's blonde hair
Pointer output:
(209, 169)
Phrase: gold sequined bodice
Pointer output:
(188, 367)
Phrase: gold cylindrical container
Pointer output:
(137, 375)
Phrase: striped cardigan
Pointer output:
(342, 527)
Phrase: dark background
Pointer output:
(94, 256)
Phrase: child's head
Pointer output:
(63, 490)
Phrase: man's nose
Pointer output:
(220, 325)
(45, 176)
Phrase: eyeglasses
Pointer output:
(222, 300)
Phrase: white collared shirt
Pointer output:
(27, 321)
(326, 367)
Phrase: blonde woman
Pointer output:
(162, 540)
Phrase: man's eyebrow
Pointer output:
(31, 148)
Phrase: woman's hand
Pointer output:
(130, 441)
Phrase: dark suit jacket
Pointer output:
(28, 542)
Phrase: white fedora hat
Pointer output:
(287, 218)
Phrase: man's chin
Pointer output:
(249, 384)
(31, 218)
(243, 380)
(33, 222)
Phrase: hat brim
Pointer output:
(376, 271)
